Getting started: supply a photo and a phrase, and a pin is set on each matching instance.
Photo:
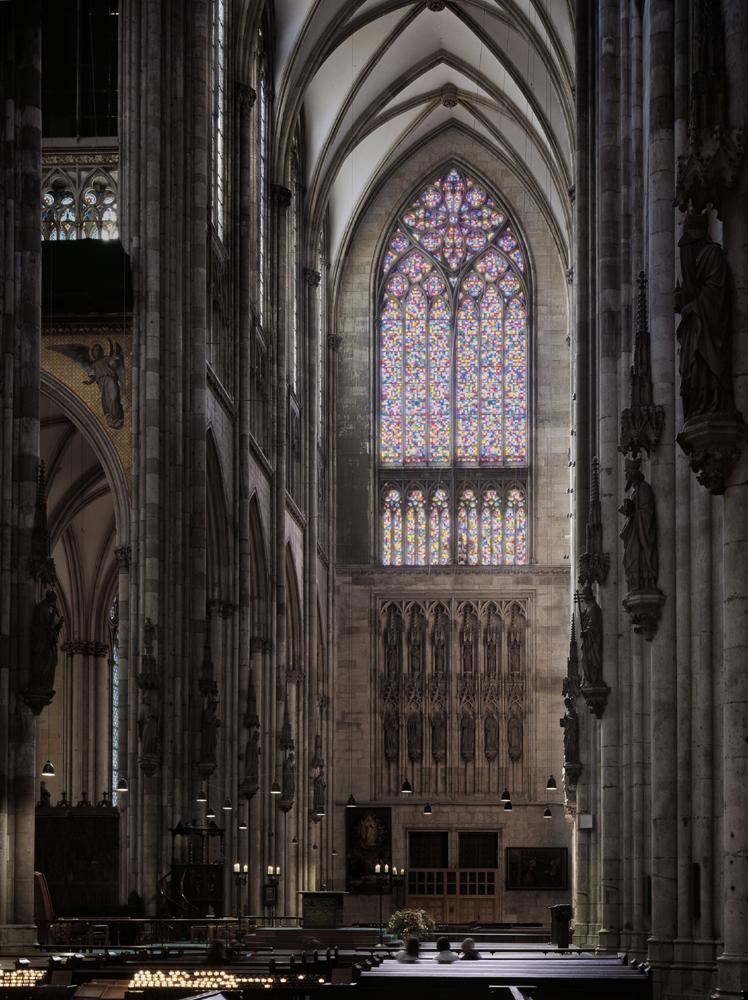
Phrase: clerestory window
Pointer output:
(453, 382)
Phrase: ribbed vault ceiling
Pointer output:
(373, 79)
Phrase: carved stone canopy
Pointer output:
(713, 443)
(596, 697)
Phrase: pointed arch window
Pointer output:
(453, 368)
(218, 115)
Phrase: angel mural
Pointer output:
(106, 370)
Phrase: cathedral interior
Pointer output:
(374, 475)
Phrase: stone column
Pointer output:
(280, 201)
(733, 963)
(609, 339)
(661, 271)
(20, 312)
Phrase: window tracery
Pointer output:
(453, 377)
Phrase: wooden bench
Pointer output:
(550, 978)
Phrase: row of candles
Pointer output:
(240, 869)
(385, 870)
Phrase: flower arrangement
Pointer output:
(411, 923)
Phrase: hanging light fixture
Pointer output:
(508, 806)
(334, 853)
(201, 796)
(427, 810)
(122, 786)
(227, 807)
(505, 796)
(551, 784)
(48, 771)
(547, 814)
(294, 839)
(275, 788)
(210, 813)
(351, 803)
(406, 788)
(242, 824)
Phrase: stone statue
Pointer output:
(703, 302)
(252, 763)
(46, 625)
(491, 737)
(319, 789)
(288, 783)
(514, 735)
(439, 737)
(45, 797)
(570, 724)
(209, 725)
(640, 531)
(591, 626)
(391, 737)
(414, 729)
(149, 722)
(467, 737)
(106, 370)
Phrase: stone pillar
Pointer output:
(20, 312)
(733, 963)
(661, 271)
(609, 339)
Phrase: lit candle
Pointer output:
(246, 869)
(377, 869)
(277, 870)
(237, 867)
(402, 871)
(270, 869)
(386, 869)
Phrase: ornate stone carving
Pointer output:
(41, 563)
(570, 721)
(251, 779)
(122, 554)
(516, 636)
(644, 599)
(449, 96)
(106, 370)
(514, 733)
(280, 195)
(46, 624)
(491, 736)
(312, 278)
(246, 96)
(594, 563)
(414, 684)
(713, 433)
(711, 161)
(467, 737)
(85, 647)
(414, 729)
(149, 714)
(391, 682)
(642, 421)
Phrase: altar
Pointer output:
(322, 909)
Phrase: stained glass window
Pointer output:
(218, 111)
(392, 529)
(453, 345)
(262, 191)
(415, 529)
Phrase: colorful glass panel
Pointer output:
(491, 529)
(415, 377)
(491, 380)
(439, 528)
(453, 372)
(415, 529)
(440, 383)
(515, 382)
(392, 529)
(467, 382)
(391, 383)
(467, 529)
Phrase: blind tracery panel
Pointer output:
(453, 379)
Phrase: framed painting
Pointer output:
(537, 868)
